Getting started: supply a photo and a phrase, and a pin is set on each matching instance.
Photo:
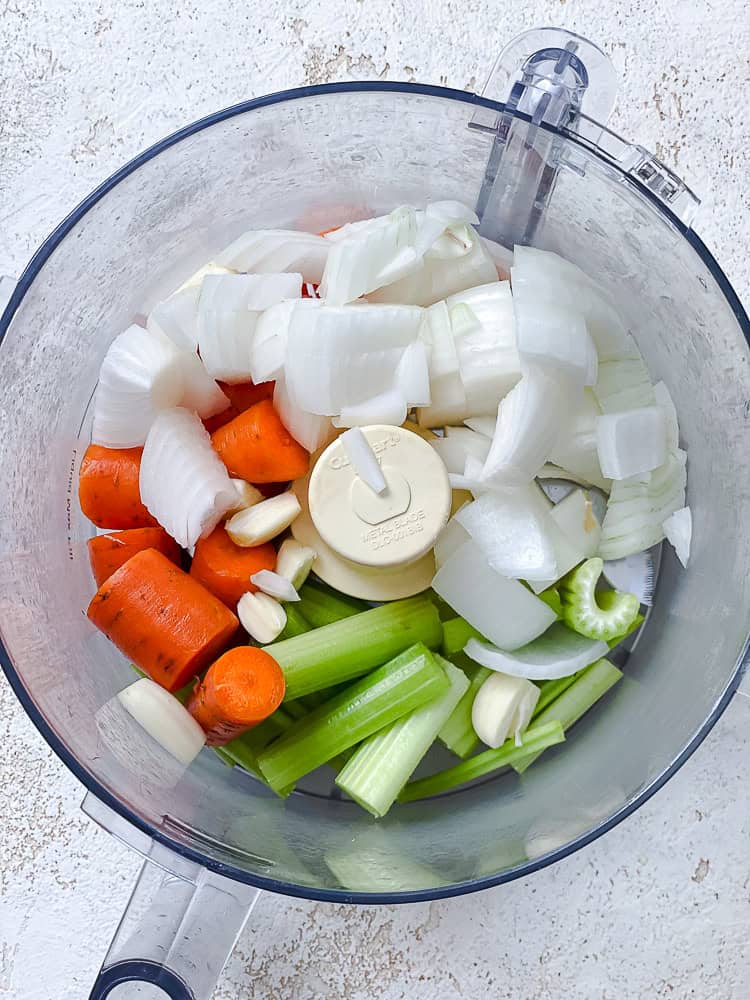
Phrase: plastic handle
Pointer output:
(180, 925)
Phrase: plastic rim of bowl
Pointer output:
(230, 871)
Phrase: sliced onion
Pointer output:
(452, 454)
(631, 442)
(664, 400)
(269, 341)
(475, 445)
(500, 608)
(229, 308)
(363, 259)
(503, 707)
(528, 425)
(575, 534)
(482, 425)
(142, 373)
(200, 392)
(310, 430)
(560, 652)
(451, 538)
(448, 398)
(624, 385)
(264, 251)
(341, 356)
(274, 585)
(575, 449)
(363, 459)
(452, 211)
(447, 268)
(553, 336)
(638, 507)
(387, 408)
(177, 318)
(501, 256)
(412, 375)
(513, 531)
(164, 719)
(196, 280)
(183, 482)
(678, 529)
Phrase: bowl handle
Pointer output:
(179, 927)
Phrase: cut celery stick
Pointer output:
(296, 623)
(406, 682)
(370, 862)
(320, 606)
(456, 633)
(597, 615)
(352, 647)
(384, 763)
(223, 756)
(590, 685)
(296, 709)
(549, 690)
(633, 627)
(458, 733)
(534, 740)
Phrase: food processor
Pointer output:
(534, 155)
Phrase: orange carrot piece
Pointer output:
(242, 396)
(257, 447)
(242, 688)
(108, 489)
(225, 568)
(108, 552)
(163, 620)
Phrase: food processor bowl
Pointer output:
(544, 170)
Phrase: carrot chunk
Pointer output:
(257, 447)
(225, 568)
(108, 552)
(108, 488)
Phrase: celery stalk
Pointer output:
(296, 709)
(406, 682)
(589, 686)
(352, 647)
(296, 623)
(534, 741)
(384, 763)
(549, 690)
(456, 633)
(320, 606)
(458, 733)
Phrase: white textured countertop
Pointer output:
(658, 908)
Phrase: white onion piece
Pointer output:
(637, 509)
(503, 707)
(177, 318)
(341, 356)
(528, 425)
(452, 454)
(142, 373)
(196, 280)
(269, 341)
(501, 609)
(482, 425)
(274, 585)
(448, 399)
(452, 211)
(164, 719)
(264, 251)
(501, 256)
(624, 385)
(664, 400)
(553, 336)
(550, 277)
(442, 272)
(473, 444)
(631, 442)
(575, 534)
(363, 259)
(560, 652)
(363, 460)
(513, 532)
(200, 392)
(412, 375)
(228, 311)
(295, 561)
(678, 529)
(183, 482)
(575, 448)
(550, 471)
(452, 537)
(310, 430)
(387, 408)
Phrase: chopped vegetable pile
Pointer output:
(208, 430)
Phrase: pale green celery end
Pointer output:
(458, 733)
(370, 704)
(636, 624)
(590, 685)
(347, 649)
(549, 690)
(456, 633)
(384, 763)
(535, 740)
(322, 607)
(296, 623)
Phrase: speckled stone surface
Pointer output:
(658, 908)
